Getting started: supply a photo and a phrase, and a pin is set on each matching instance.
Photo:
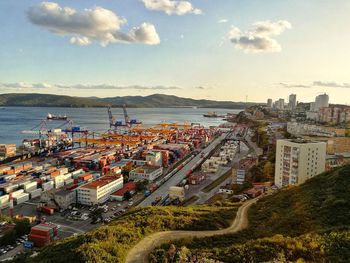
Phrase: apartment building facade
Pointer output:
(298, 160)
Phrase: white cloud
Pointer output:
(24, 85)
(29, 86)
(221, 21)
(172, 7)
(259, 38)
(96, 24)
(331, 84)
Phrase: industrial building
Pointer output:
(298, 160)
(149, 173)
(98, 191)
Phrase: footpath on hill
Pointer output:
(139, 253)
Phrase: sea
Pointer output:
(14, 120)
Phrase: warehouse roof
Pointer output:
(101, 182)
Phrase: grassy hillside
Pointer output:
(111, 243)
(297, 223)
(152, 101)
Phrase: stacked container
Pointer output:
(43, 234)
(7, 150)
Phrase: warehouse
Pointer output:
(98, 191)
(149, 173)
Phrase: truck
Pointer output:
(46, 209)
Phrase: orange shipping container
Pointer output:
(85, 177)
(55, 173)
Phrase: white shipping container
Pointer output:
(63, 170)
(68, 181)
(48, 185)
(38, 168)
(4, 198)
(22, 199)
(17, 193)
(59, 185)
(67, 176)
(35, 193)
(9, 177)
(30, 185)
(78, 172)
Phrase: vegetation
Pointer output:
(310, 222)
(218, 181)
(110, 243)
(152, 101)
(21, 227)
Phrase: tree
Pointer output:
(8, 238)
(127, 195)
(268, 170)
(22, 227)
(141, 185)
(96, 214)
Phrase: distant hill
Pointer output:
(152, 101)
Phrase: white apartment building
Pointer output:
(98, 191)
(298, 160)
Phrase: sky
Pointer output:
(211, 49)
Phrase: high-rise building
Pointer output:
(269, 103)
(298, 160)
(279, 104)
(321, 101)
(292, 102)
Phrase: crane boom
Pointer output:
(111, 118)
(126, 117)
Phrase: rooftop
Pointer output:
(100, 182)
(130, 186)
(146, 169)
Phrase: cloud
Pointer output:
(259, 39)
(23, 85)
(222, 21)
(172, 7)
(315, 84)
(84, 27)
(291, 86)
(331, 84)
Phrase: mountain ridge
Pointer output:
(150, 101)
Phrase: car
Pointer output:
(119, 205)
(18, 243)
(4, 251)
(131, 203)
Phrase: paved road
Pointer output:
(140, 252)
(163, 190)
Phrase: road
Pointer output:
(180, 175)
(139, 253)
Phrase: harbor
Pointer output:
(62, 167)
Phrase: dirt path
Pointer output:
(139, 253)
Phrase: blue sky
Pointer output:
(308, 54)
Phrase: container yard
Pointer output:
(128, 165)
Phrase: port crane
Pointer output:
(127, 121)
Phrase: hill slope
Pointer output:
(111, 243)
(309, 222)
(152, 101)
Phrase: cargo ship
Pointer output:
(212, 114)
(56, 117)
